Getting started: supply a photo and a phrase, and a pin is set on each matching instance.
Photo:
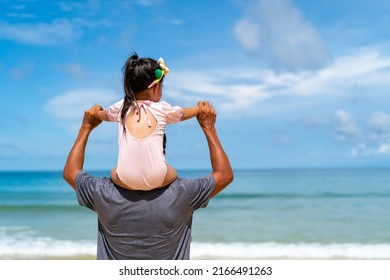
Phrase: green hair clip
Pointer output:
(159, 73)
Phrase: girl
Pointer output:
(141, 121)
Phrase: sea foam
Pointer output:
(44, 247)
(289, 251)
(49, 248)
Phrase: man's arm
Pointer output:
(74, 163)
(222, 171)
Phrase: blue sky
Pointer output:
(295, 83)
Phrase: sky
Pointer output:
(295, 83)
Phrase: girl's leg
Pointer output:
(170, 177)
(116, 180)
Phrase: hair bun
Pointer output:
(133, 59)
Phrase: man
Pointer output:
(152, 224)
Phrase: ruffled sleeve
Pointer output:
(173, 113)
(114, 112)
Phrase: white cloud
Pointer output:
(82, 7)
(57, 32)
(354, 152)
(373, 139)
(248, 33)
(383, 149)
(75, 70)
(368, 69)
(286, 39)
(222, 88)
(149, 2)
(70, 105)
(244, 89)
(25, 69)
(380, 121)
(68, 108)
(347, 128)
(379, 132)
(18, 7)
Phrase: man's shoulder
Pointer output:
(197, 192)
(197, 183)
(91, 189)
(84, 179)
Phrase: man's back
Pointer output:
(144, 224)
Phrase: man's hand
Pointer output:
(206, 116)
(91, 119)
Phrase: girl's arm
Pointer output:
(189, 113)
(103, 115)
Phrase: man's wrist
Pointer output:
(210, 130)
(85, 128)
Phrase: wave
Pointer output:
(22, 242)
(44, 247)
(301, 195)
(40, 207)
(71, 204)
(272, 250)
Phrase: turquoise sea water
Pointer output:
(291, 213)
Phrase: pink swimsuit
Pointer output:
(141, 162)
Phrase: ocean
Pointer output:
(263, 214)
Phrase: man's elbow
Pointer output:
(222, 180)
(65, 175)
(229, 177)
(69, 178)
(226, 178)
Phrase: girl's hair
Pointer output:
(138, 74)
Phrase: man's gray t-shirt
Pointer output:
(141, 225)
